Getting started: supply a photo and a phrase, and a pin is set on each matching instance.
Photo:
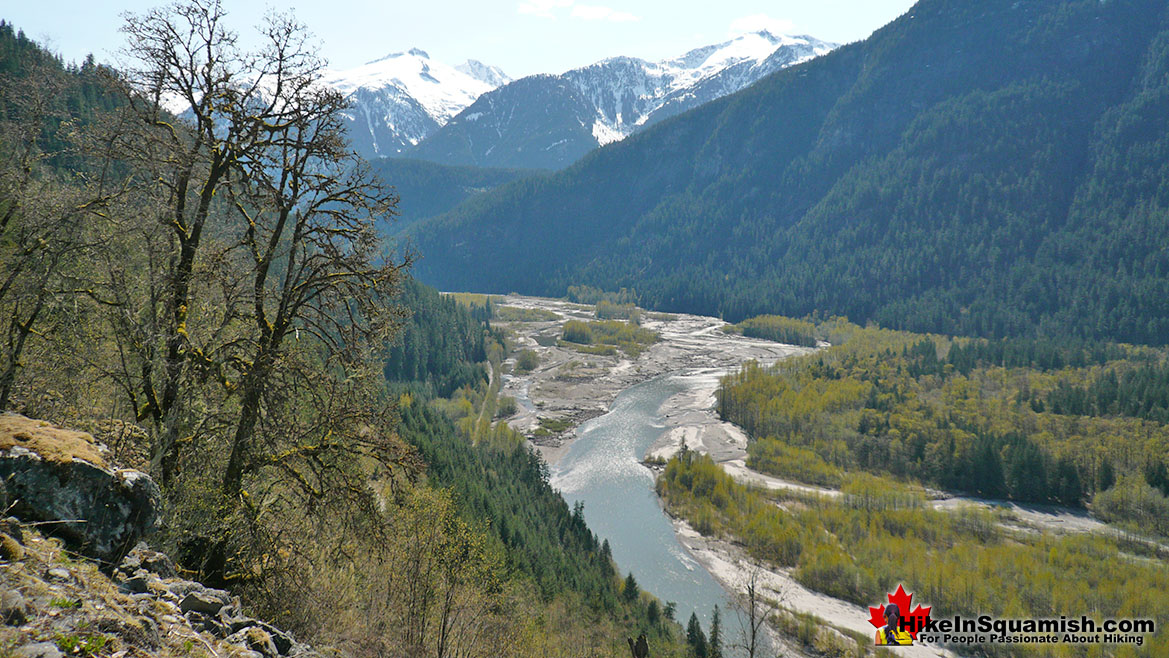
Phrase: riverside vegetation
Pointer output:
(881, 413)
(208, 296)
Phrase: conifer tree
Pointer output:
(716, 641)
(696, 638)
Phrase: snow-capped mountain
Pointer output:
(401, 98)
(549, 121)
(491, 75)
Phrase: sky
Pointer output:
(520, 36)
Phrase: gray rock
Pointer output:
(107, 510)
(57, 573)
(38, 650)
(181, 588)
(255, 639)
(134, 583)
(283, 641)
(143, 557)
(160, 565)
(230, 612)
(131, 562)
(206, 602)
(239, 623)
(206, 624)
(13, 608)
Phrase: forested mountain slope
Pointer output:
(426, 189)
(990, 168)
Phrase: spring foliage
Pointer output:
(879, 533)
(985, 417)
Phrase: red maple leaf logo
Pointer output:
(912, 622)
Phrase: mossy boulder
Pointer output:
(60, 476)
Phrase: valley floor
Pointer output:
(571, 387)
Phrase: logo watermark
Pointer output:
(898, 625)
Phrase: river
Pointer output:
(602, 469)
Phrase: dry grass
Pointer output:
(52, 443)
(87, 616)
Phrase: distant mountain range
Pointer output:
(407, 104)
(550, 121)
(979, 168)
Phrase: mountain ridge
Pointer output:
(981, 206)
(549, 121)
(400, 98)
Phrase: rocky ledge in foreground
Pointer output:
(60, 478)
(82, 592)
(53, 606)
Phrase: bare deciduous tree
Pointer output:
(250, 323)
(42, 218)
(265, 229)
(755, 611)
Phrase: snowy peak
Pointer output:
(443, 90)
(752, 49)
(491, 75)
(399, 99)
(637, 92)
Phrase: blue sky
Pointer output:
(520, 36)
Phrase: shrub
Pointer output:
(1133, 502)
(609, 311)
(507, 407)
(527, 361)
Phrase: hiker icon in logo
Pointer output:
(895, 622)
(891, 632)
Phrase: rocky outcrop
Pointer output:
(145, 573)
(60, 477)
(53, 606)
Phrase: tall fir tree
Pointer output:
(696, 638)
(716, 640)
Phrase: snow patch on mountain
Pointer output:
(491, 75)
(605, 134)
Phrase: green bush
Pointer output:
(607, 310)
(1133, 502)
(527, 361)
(507, 407)
(515, 314)
(801, 464)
